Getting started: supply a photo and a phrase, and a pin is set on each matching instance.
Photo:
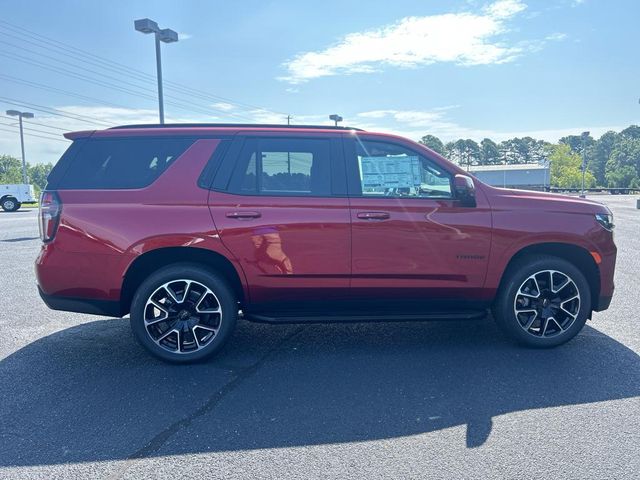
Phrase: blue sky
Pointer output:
(499, 68)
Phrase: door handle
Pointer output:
(243, 215)
(373, 215)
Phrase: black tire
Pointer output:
(514, 325)
(224, 322)
(10, 204)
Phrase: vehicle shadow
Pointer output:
(89, 393)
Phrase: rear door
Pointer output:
(280, 206)
(412, 240)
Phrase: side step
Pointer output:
(267, 317)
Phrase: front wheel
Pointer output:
(183, 313)
(10, 204)
(543, 302)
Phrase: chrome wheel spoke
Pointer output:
(171, 293)
(207, 328)
(209, 310)
(523, 286)
(573, 315)
(195, 337)
(569, 299)
(531, 320)
(557, 323)
(166, 335)
(567, 281)
(155, 321)
(545, 325)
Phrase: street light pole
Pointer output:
(21, 115)
(159, 75)
(24, 162)
(584, 160)
(165, 35)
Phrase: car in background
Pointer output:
(185, 226)
(12, 196)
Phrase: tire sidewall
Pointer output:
(10, 208)
(505, 315)
(217, 285)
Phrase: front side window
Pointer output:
(391, 170)
(274, 166)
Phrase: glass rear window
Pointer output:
(121, 163)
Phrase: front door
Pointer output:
(412, 241)
(284, 215)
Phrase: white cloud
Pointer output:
(226, 107)
(184, 36)
(462, 38)
(556, 37)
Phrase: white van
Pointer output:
(12, 196)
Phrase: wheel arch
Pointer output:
(576, 255)
(151, 261)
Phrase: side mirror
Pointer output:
(465, 190)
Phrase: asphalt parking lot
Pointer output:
(79, 398)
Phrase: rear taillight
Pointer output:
(50, 210)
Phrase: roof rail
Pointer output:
(233, 125)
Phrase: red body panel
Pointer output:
(304, 248)
(102, 231)
(299, 248)
(426, 248)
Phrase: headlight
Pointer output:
(606, 220)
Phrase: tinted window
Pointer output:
(389, 169)
(269, 166)
(121, 163)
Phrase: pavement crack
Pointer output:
(160, 439)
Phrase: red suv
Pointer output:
(186, 226)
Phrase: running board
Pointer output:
(347, 318)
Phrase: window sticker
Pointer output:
(384, 174)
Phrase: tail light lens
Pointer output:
(50, 210)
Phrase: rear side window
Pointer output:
(275, 166)
(121, 163)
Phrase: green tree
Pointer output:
(489, 152)
(38, 174)
(466, 152)
(632, 131)
(434, 143)
(10, 169)
(575, 142)
(623, 167)
(598, 155)
(566, 169)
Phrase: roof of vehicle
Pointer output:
(199, 127)
(234, 125)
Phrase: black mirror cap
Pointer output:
(465, 190)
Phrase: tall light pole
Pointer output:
(21, 115)
(336, 118)
(584, 136)
(165, 35)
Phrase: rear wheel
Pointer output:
(10, 204)
(183, 313)
(543, 302)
